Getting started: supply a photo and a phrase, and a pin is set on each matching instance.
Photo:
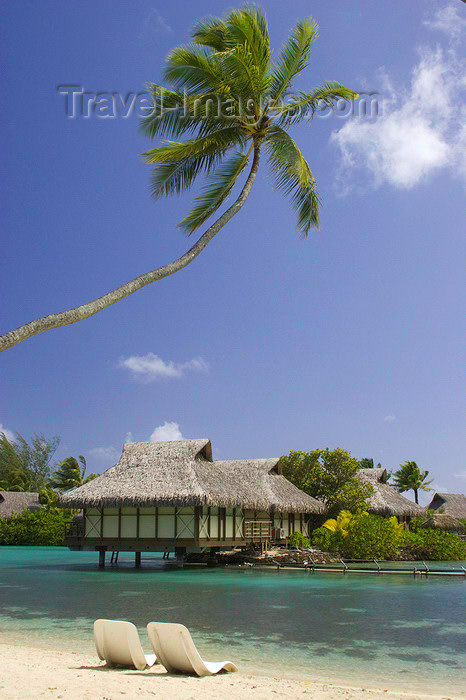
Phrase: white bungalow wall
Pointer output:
(179, 523)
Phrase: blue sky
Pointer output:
(353, 337)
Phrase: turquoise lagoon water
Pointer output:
(397, 630)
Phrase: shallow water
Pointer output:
(393, 630)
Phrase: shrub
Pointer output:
(37, 528)
(323, 539)
(359, 536)
(435, 545)
(415, 524)
(371, 536)
(297, 539)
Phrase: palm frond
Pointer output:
(293, 176)
(294, 56)
(213, 32)
(305, 104)
(248, 28)
(246, 81)
(178, 164)
(215, 192)
(175, 113)
(192, 68)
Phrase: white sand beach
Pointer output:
(30, 672)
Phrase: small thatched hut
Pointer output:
(386, 500)
(449, 503)
(445, 522)
(17, 501)
(172, 495)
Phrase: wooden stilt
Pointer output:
(101, 558)
(137, 560)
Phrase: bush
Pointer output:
(297, 539)
(360, 536)
(37, 528)
(371, 536)
(323, 539)
(435, 545)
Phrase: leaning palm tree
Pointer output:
(410, 477)
(231, 102)
(71, 473)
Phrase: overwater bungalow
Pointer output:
(174, 496)
(386, 500)
(17, 501)
(453, 504)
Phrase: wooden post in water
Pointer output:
(101, 558)
(137, 560)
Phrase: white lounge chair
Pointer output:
(175, 649)
(117, 643)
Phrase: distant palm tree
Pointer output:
(410, 477)
(70, 474)
(233, 100)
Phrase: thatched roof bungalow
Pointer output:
(173, 495)
(449, 503)
(445, 522)
(17, 501)
(386, 500)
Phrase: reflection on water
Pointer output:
(395, 629)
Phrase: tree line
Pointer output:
(29, 466)
(331, 477)
(328, 475)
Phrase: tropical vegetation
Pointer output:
(26, 466)
(36, 528)
(410, 477)
(231, 101)
(71, 473)
(366, 536)
(330, 476)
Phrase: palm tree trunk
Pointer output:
(415, 496)
(79, 313)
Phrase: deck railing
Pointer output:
(258, 530)
(74, 529)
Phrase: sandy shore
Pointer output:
(29, 672)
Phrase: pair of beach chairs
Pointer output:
(117, 642)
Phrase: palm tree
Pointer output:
(232, 100)
(70, 473)
(411, 477)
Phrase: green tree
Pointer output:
(410, 477)
(330, 476)
(70, 474)
(26, 466)
(368, 463)
(232, 100)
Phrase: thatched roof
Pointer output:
(386, 500)
(182, 473)
(444, 522)
(17, 501)
(451, 503)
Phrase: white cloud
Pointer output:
(10, 436)
(420, 131)
(447, 19)
(150, 367)
(107, 454)
(167, 431)
(461, 475)
(390, 418)
(129, 437)
(155, 23)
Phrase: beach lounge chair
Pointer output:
(117, 643)
(175, 649)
